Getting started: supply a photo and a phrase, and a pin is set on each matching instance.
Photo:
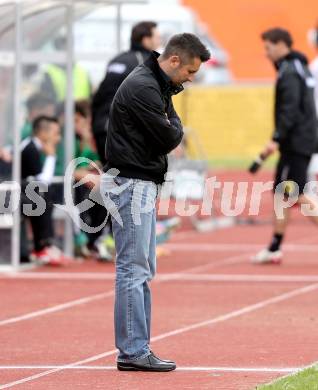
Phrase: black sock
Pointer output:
(276, 242)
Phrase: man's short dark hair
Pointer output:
(275, 35)
(187, 46)
(316, 36)
(142, 30)
(38, 100)
(42, 123)
(83, 108)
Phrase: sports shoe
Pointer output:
(109, 242)
(162, 233)
(171, 223)
(82, 252)
(80, 245)
(56, 253)
(164, 227)
(267, 257)
(50, 255)
(101, 253)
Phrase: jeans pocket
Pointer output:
(144, 196)
(118, 180)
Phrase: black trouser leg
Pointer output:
(100, 140)
(98, 214)
(42, 227)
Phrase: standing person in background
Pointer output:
(295, 134)
(314, 65)
(313, 167)
(144, 38)
(5, 163)
(97, 242)
(54, 81)
(143, 129)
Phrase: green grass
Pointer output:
(303, 380)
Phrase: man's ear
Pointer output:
(145, 42)
(175, 61)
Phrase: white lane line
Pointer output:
(186, 234)
(226, 261)
(56, 308)
(205, 246)
(186, 368)
(239, 312)
(240, 278)
(208, 247)
(57, 369)
(60, 275)
(84, 300)
(255, 278)
(221, 318)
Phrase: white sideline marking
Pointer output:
(218, 319)
(111, 368)
(241, 369)
(56, 308)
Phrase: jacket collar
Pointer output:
(163, 79)
(37, 142)
(137, 47)
(291, 56)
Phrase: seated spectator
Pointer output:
(45, 137)
(37, 104)
(84, 142)
(5, 164)
(86, 244)
(97, 243)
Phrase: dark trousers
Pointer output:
(95, 216)
(42, 225)
(100, 141)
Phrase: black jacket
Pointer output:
(295, 113)
(143, 125)
(117, 70)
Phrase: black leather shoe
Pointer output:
(166, 361)
(149, 363)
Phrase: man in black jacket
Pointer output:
(143, 129)
(144, 38)
(295, 132)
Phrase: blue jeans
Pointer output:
(135, 240)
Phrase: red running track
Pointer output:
(228, 324)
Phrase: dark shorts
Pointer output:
(292, 168)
